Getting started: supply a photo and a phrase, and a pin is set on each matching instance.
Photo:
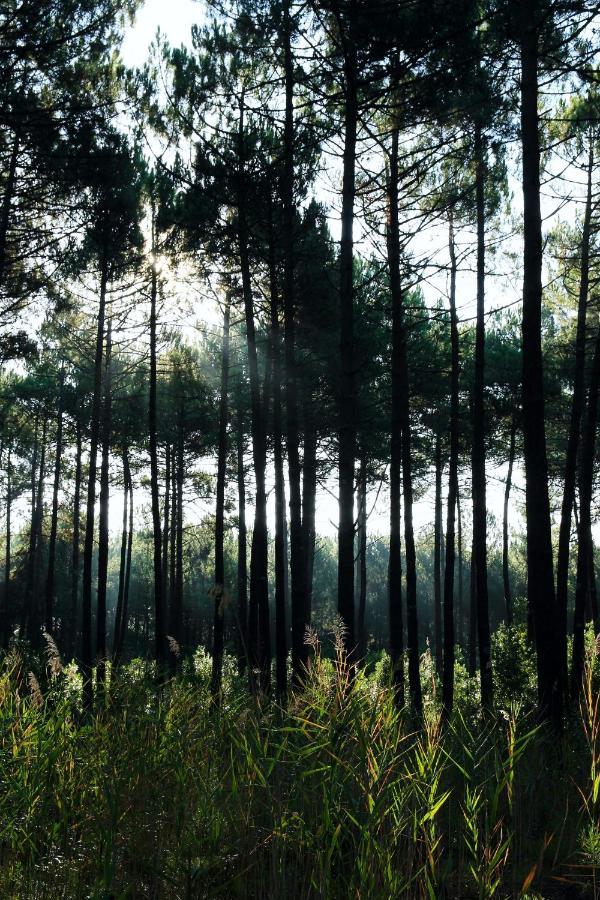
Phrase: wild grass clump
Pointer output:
(161, 794)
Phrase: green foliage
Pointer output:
(159, 793)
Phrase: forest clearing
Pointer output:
(299, 516)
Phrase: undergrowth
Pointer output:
(337, 794)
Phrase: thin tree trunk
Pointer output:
(123, 619)
(450, 555)
(508, 605)
(160, 648)
(280, 560)
(347, 387)
(176, 617)
(259, 637)
(460, 616)
(122, 564)
(437, 559)
(219, 585)
(75, 549)
(166, 526)
(540, 577)
(103, 521)
(584, 530)
(6, 204)
(7, 612)
(309, 492)
(478, 450)
(472, 617)
(54, 517)
(33, 600)
(577, 404)
(400, 368)
(242, 567)
(298, 563)
(173, 547)
(88, 547)
(361, 625)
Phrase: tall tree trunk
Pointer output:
(103, 520)
(437, 559)
(54, 516)
(472, 617)
(122, 564)
(577, 403)
(33, 601)
(309, 492)
(173, 547)
(449, 649)
(6, 204)
(242, 566)
(508, 605)
(347, 387)
(585, 546)
(123, 618)
(32, 531)
(540, 576)
(176, 612)
(160, 648)
(88, 547)
(259, 637)
(478, 450)
(280, 523)
(75, 549)
(7, 611)
(166, 526)
(219, 585)
(401, 380)
(298, 566)
(361, 624)
(460, 617)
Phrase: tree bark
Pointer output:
(361, 625)
(347, 387)
(54, 516)
(75, 549)
(508, 605)
(122, 564)
(401, 380)
(32, 609)
(242, 567)
(219, 585)
(259, 638)
(540, 577)
(7, 611)
(478, 450)
(437, 559)
(585, 546)
(449, 638)
(577, 404)
(309, 492)
(103, 520)
(160, 647)
(88, 547)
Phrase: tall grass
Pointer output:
(160, 794)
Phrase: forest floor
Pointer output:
(161, 794)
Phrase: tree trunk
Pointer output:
(577, 403)
(437, 559)
(160, 647)
(298, 565)
(259, 638)
(166, 526)
(122, 565)
(472, 617)
(478, 450)
(585, 546)
(450, 555)
(7, 611)
(361, 625)
(401, 380)
(219, 585)
(33, 601)
(103, 521)
(460, 613)
(280, 524)
(6, 204)
(75, 549)
(176, 612)
(347, 387)
(122, 619)
(88, 547)
(242, 567)
(508, 605)
(540, 577)
(309, 492)
(49, 624)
